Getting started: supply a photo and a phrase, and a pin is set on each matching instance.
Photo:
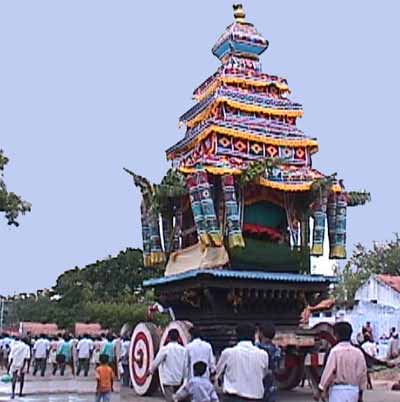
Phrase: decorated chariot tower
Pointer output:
(230, 221)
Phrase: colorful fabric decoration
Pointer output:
(243, 118)
(232, 212)
(145, 235)
(195, 201)
(320, 206)
(207, 205)
(203, 209)
(156, 252)
(177, 229)
(331, 212)
(339, 250)
(152, 250)
(167, 231)
(274, 234)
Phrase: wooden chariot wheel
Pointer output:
(327, 341)
(184, 337)
(183, 329)
(292, 374)
(144, 347)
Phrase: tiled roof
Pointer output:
(91, 329)
(391, 280)
(247, 275)
(36, 328)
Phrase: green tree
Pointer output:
(109, 292)
(11, 205)
(380, 259)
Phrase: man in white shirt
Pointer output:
(41, 350)
(200, 351)
(243, 368)
(172, 362)
(124, 360)
(369, 346)
(18, 361)
(85, 350)
(5, 346)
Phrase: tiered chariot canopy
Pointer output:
(243, 188)
(244, 115)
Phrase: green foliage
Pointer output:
(11, 204)
(172, 186)
(356, 198)
(380, 259)
(160, 196)
(258, 169)
(323, 184)
(109, 292)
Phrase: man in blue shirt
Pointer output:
(266, 335)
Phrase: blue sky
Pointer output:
(87, 87)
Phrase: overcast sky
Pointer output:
(90, 86)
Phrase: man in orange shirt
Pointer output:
(105, 380)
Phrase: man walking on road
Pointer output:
(41, 350)
(172, 360)
(18, 362)
(345, 375)
(200, 351)
(124, 360)
(65, 356)
(109, 350)
(105, 380)
(243, 368)
(85, 350)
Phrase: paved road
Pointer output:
(292, 396)
(56, 389)
(299, 396)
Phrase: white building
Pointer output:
(381, 289)
(378, 301)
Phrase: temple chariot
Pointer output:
(230, 221)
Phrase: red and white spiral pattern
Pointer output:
(144, 346)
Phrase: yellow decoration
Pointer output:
(262, 181)
(217, 239)
(236, 241)
(239, 14)
(213, 86)
(285, 142)
(285, 186)
(338, 252)
(154, 259)
(211, 240)
(211, 169)
(306, 142)
(147, 261)
(317, 250)
(242, 107)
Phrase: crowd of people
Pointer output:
(248, 370)
(370, 344)
(35, 355)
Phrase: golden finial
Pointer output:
(239, 14)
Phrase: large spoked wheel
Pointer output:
(327, 341)
(183, 329)
(184, 337)
(144, 347)
(292, 374)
